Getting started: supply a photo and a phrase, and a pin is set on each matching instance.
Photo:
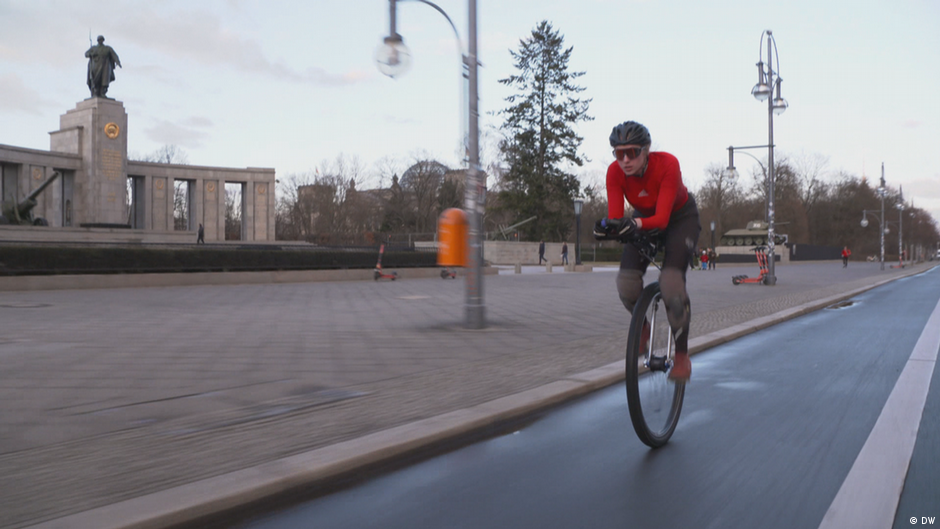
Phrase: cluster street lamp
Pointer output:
(768, 80)
(393, 58)
(881, 219)
(578, 204)
(900, 206)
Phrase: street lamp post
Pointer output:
(881, 219)
(393, 58)
(900, 206)
(578, 204)
(767, 81)
(882, 229)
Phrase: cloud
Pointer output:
(198, 121)
(922, 187)
(912, 124)
(168, 133)
(398, 120)
(200, 37)
(180, 34)
(16, 97)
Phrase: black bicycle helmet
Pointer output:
(630, 133)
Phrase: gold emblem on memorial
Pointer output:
(210, 187)
(262, 190)
(112, 130)
(159, 184)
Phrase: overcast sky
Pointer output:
(291, 84)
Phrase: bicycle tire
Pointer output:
(655, 402)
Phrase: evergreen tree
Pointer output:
(540, 142)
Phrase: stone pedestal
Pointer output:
(96, 129)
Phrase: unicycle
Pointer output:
(654, 401)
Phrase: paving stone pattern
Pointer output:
(111, 394)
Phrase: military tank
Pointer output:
(755, 234)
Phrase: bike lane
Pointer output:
(772, 426)
(871, 492)
(920, 500)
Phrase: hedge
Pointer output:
(46, 260)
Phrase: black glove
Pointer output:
(602, 230)
(627, 229)
(619, 229)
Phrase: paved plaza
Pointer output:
(112, 394)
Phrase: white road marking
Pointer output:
(870, 494)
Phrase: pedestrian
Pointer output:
(704, 259)
(542, 252)
(564, 253)
(200, 238)
(845, 256)
(712, 258)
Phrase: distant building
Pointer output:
(103, 196)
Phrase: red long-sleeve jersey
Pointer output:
(655, 195)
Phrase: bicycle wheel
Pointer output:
(653, 399)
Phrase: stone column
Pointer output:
(147, 204)
(249, 191)
(101, 187)
(197, 207)
(210, 208)
(171, 204)
(159, 209)
(272, 207)
(260, 218)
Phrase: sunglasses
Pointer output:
(630, 152)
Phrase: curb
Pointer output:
(96, 281)
(214, 496)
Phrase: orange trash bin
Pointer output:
(452, 227)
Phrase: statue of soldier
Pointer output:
(101, 61)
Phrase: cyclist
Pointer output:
(652, 183)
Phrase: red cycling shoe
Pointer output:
(681, 367)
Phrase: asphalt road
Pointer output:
(771, 428)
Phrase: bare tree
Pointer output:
(398, 211)
(181, 199)
(233, 212)
(326, 206)
(335, 199)
(719, 200)
(451, 192)
(422, 181)
(170, 154)
(294, 210)
(810, 171)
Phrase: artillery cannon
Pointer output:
(22, 212)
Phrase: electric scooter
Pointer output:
(760, 253)
(378, 273)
